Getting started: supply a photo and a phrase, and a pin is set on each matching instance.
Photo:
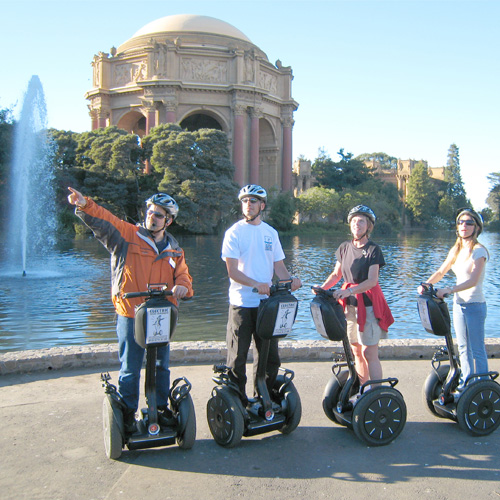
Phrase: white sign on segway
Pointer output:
(158, 325)
(285, 318)
(423, 311)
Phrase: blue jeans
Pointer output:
(468, 320)
(131, 357)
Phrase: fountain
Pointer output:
(32, 220)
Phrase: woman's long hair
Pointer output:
(459, 245)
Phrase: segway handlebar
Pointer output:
(430, 290)
(278, 286)
(321, 291)
(154, 290)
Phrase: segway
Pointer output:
(476, 408)
(279, 410)
(155, 321)
(377, 414)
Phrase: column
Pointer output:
(238, 146)
(286, 173)
(255, 115)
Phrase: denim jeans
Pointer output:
(468, 320)
(131, 357)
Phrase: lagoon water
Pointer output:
(65, 298)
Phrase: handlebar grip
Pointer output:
(133, 295)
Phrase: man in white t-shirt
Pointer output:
(253, 254)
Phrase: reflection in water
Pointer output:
(67, 300)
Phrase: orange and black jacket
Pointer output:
(135, 260)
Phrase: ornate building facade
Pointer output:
(200, 72)
(303, 179)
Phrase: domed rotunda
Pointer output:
(201, 72)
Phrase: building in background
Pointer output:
(201, 72)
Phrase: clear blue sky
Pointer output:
(407, 78)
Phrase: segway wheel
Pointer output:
(478, 409)
(379, 416)
(433, 386)
(187, 422)
(331, 396)
(112, 419)
(294, 409)
(225, 418)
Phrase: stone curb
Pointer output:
(105, 356)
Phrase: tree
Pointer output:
(454, 196)
(195, 170)
(346, 173)
(281, 210)
(384, 160)
(319, 204)
(421, 198)
(6, 145)
(493, 199)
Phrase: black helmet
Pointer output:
(253, 190)
(477, 217)
(361, 210)
(165, 201)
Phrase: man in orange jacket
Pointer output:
(140, 255)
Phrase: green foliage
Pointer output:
(493, 199)
(421, 199)
(281, 211)
(196, 170)
(6, 146)
(454, 195)
(344, 174)
(319, 204)
(385, 161)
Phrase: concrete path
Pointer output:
(52, 448)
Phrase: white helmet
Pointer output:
(253, 190)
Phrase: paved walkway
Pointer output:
(52, 447)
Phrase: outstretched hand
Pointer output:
(76, 198)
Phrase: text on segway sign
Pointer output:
(285, 318)
(423, 311)
(158, 325)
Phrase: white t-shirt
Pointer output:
(463, 269)
(257, 248)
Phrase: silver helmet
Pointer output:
(165, 201)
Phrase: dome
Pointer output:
(191, 23)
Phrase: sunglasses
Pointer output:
(466, 222)
(250, 200)
(158, 215)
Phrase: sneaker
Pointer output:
(354, 399)
(129, 422)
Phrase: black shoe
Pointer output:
(129, 422)
(166, 417)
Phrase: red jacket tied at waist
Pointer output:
(380, 307)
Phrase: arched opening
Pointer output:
(269, 173)
(198, 121)
(133, 122)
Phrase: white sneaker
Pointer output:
(354, 399)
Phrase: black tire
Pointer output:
(112, 421)
(432, 388)
(478, 409)
(225, 418)
(294, 409)
(379, 416)
(187, 418)
(331, 396)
